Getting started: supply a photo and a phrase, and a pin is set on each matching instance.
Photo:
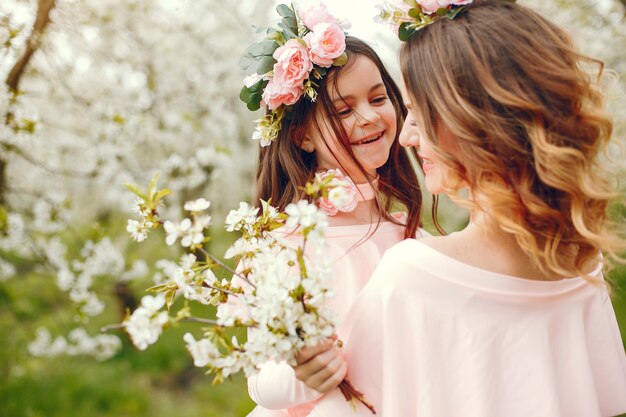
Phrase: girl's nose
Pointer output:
(367, 115)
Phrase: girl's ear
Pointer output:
(307, 145)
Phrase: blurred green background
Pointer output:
(112, 91)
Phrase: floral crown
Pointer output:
(409, 16)
(289, 63)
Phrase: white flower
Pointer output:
(245, 215)
(302, 214)
(138, 229)
(139, 207)
(174, 231)
(203, 351)
(252, 79)
(145, 328)
(197, 205)
(153, 304)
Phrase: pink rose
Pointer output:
(431, 6)
(342, 194)
(294, 63)
(327, 41)
(312, 15)
(277, 93)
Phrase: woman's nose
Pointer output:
(409, 136)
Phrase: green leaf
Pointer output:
(258, 86)
(453, 12)
(265, 65)
(285, 11)
(254, 103)
(135, 190)
(341, 60)
(169, 298)
(412, 3)
(291, 23)
(247, 62)
(287, 32)
(162, 193)
(265, 47)
(244, 94)
(152, 186)
(275, 35)
(257, 52)
(405, 31)
(416, 13)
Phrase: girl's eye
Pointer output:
(379, 99)
(344, 112)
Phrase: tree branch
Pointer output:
(43, 18)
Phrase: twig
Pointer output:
(113, 326)
(226, 267)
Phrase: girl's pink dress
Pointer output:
(355, 251)
(431, 336)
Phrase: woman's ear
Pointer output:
(307, 145)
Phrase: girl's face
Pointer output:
(436, 173)
(368, 117)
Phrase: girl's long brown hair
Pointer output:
(528, 124)
(284, 168)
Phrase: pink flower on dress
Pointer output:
(314, 14)
(327, 42)
(431, 6)
(276, 94)
(293, 63)
(342, 194)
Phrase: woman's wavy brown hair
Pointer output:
(283, 168)
(528, 125)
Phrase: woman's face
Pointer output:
(436, 173)
(368, 117)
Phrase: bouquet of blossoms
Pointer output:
(276, 292)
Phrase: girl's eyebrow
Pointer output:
(344, 98)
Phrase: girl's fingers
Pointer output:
(324, 371)
(307, 353)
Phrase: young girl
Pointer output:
(510, 316)
(351, 131)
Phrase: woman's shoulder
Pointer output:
(410, 250)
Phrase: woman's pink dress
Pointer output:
(355, 251)
(431, 336)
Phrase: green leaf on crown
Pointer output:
(451, 14)
(319, 72)
(265, 65)
(285, 11)
(258, 52)
(405, 31)
(416, 13)
(287, 31)
(252, 96)
(275, 35)
(247, 92)
(291, 23)
(340, 60)
(412, 3)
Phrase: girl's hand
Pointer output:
(321, 367)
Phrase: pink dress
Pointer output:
(356, 250)
(431, 336)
